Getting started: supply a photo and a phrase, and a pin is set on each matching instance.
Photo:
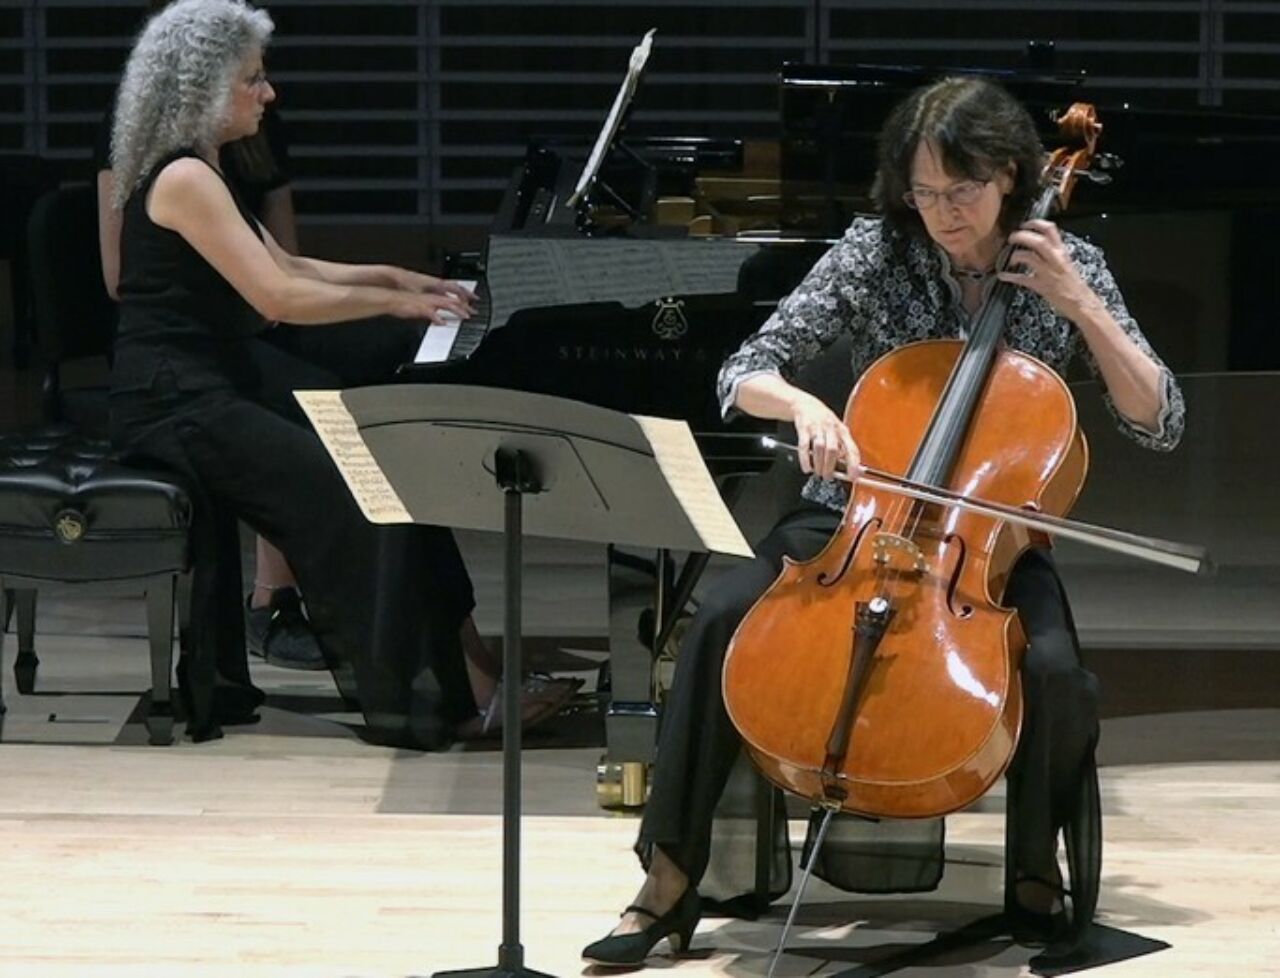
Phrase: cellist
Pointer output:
(959, 164)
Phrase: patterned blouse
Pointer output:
(887, 290)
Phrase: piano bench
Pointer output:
(72, 513)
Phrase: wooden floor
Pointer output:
(293, 848)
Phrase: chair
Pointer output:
(71, 510)
(1082, 838)
(753, 867)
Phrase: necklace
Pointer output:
(972, 274)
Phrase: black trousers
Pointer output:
(354, 354)
(698, 744)
(385, 602)
(335, 357)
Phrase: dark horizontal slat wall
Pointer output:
(1153, 49)
(415, 111)
(1249, 52)
(17, 81)
(510, 70)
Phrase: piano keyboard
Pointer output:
(456, 339)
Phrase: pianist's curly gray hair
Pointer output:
(176, 88)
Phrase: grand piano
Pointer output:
(631, 294)
(638, 319)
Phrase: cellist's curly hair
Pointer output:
(977, 127)
(176, 88)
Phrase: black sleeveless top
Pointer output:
(177, 313)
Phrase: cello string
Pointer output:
(965, 390)
(904, 517)
(988, 327)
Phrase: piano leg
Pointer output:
(631, 717)
(639, 594)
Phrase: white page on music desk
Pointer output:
(681, 463)
(340, 436)
(437, 341)
(635, 67)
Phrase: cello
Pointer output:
(880, 678)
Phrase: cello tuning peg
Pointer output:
(1101, 168)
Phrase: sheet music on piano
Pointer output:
(527, 273)
(613, 121)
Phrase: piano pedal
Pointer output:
(622, 785)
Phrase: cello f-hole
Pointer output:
(828, 580)
(964, 610)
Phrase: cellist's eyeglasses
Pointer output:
(961, 195)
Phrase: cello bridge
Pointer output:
(897, 553)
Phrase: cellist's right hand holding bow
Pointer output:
(822, 440)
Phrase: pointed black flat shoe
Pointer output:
(1031, 928)
(677, 925)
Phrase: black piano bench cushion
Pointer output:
(71, 511)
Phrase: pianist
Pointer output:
(345, 355)
(958, 166)
(199, 279)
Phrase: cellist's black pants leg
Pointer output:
(1060, 726)
(697, 743)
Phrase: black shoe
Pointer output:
(280, 632)
(1033, 928)
(677, 925)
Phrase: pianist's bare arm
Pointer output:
(190, 199)
(341, 273)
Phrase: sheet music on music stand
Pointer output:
(613, 122)
(408, 453)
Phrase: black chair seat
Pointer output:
(72, 512)
(114, 521)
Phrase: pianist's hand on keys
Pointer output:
(448, 338)
(411, 281)
(426, 297)
(434, 307)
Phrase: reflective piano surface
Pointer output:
(635, 324)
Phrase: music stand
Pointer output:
(495, 459)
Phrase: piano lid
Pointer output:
(896, 80)
(1171, 159)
